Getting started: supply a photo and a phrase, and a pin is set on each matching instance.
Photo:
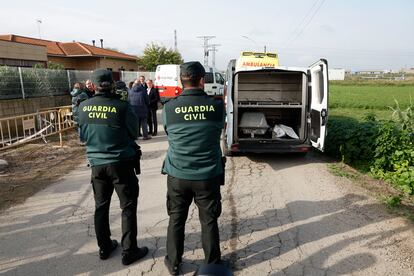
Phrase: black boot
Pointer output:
(104, 253)
(130, 257)
(173, 270)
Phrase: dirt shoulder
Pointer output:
(34, 166)
(395, 200)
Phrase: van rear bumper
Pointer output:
(270, 147)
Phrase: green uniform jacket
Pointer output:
(109, 127)
(193, 122)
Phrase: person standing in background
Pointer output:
(114, 159)
(121, 90)
(194, 165)
(141, 80)
(90, 88)
(139, 100)
(78, 95)
(130, 85)
(154, 98)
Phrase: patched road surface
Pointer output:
(282, 215)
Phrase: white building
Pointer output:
(336, 74)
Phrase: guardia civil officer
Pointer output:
(109, 127)
(193, 122)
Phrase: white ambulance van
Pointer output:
(167, 80)
(273, 108)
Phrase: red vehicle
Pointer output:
(167, 80)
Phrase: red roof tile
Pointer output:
(74, 49)
(68, 49)
(52, 47)
(96, 51)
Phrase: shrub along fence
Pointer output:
(18, 83)
(21, 83)
(385, 148)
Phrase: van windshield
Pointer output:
(208, 78)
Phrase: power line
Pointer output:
(307, 23)
(297, 28)
(324, 51)
(310, 20)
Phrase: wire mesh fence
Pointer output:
(78, 76)
(17, 82)
(127, 76)
(44, 82)
(10, 85)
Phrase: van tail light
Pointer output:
(235, 147)
(304, 149)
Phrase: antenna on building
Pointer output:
(206, 38)
(39, 21)
(175, 41)
(213, 50)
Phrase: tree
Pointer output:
(155, 55)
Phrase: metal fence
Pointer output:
(18, 82)
(18, 130)
(128, 76)
(75, 76)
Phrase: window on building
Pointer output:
(109, 69)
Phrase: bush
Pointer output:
(385, 147)
(9, 83)
(394, 157)
(44, 82)
(37, 82)
(350, 140)
(394, 150)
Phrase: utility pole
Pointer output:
(39, 21)
(213, 58)
(175, 41)
(206, 46)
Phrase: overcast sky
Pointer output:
(352, 34)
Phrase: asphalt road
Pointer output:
(282, 215)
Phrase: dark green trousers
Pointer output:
(122, 178)
(207, 197)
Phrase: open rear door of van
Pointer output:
(319, 103)
(228, 103)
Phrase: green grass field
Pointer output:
(358, 101)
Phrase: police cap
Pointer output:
(101, 75)
(120, 85)
(192, 69)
